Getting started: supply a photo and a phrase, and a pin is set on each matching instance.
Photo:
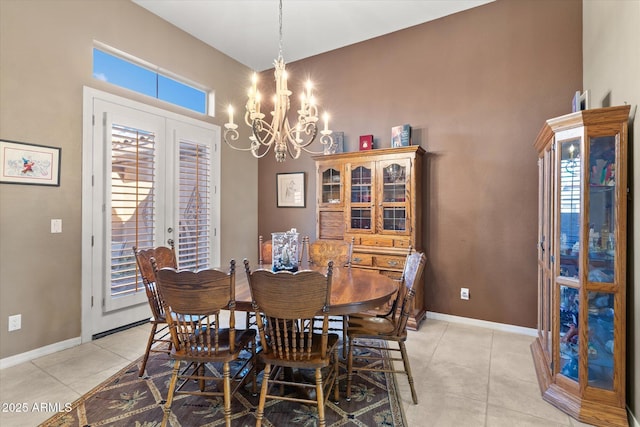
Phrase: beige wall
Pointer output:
(46, 60)
(476, 87)
(611, 44)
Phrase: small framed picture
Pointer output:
(338, 139)
(290, 190)
(401, 136)
(23, 163)
(580, 101)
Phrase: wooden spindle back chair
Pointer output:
(159, 334)
(193, 302)
(364, 331)
(288, 302)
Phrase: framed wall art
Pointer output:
(290, 190)
(23, 163)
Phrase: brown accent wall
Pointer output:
(475, 87)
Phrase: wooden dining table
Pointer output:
(353, 290)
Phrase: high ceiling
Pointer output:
(247, 30)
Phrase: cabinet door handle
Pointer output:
(392, 263)
(356, 259)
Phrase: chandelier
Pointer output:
(278, 132)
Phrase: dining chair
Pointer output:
(264, 250)
(366, 333)
(164, 257)
(193, 302)
(289, 302)
(320, 252)
(264, 257)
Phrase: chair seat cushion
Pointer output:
(242, 340)
(370, 326)
(314, 357)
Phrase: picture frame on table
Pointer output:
(290, 190)
(29, 164)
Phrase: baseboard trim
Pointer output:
(503, 327)
(38, 352)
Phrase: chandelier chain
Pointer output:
(280, 31)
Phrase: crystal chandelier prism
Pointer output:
(278, 132)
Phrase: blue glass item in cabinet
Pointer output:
(569, 334)
(601, 340)
(284, 251)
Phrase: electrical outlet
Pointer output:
(15, 322)
(464, 293)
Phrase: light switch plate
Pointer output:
(56, 226)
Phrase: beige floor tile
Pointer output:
(30, 388)
(477, 358)
(468, 336)
(502, 417)
(523, 396)
(81, 366)
(513, 365)
(130, 344)
(437, 409)
(504, 342)
(457, 380)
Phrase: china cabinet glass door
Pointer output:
(361, 215)
(569, 268)
(394, 186)
(331, 186)
(601, 271)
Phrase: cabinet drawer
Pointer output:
(401, 243)
(394, 262)
(377, 241)
(362, 259)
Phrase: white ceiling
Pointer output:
(247, 30)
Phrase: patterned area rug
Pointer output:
(127, 400)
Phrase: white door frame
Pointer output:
(88, 204)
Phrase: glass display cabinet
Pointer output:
(374, 197)
(579, 353)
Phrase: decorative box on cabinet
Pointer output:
(579, 353)
(374, 197)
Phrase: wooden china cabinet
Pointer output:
(579, 353)
(374, 197)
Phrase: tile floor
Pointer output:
(465, 377)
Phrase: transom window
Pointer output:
(130, 75)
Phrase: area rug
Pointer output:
(127, 400)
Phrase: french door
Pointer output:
(150, 178)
